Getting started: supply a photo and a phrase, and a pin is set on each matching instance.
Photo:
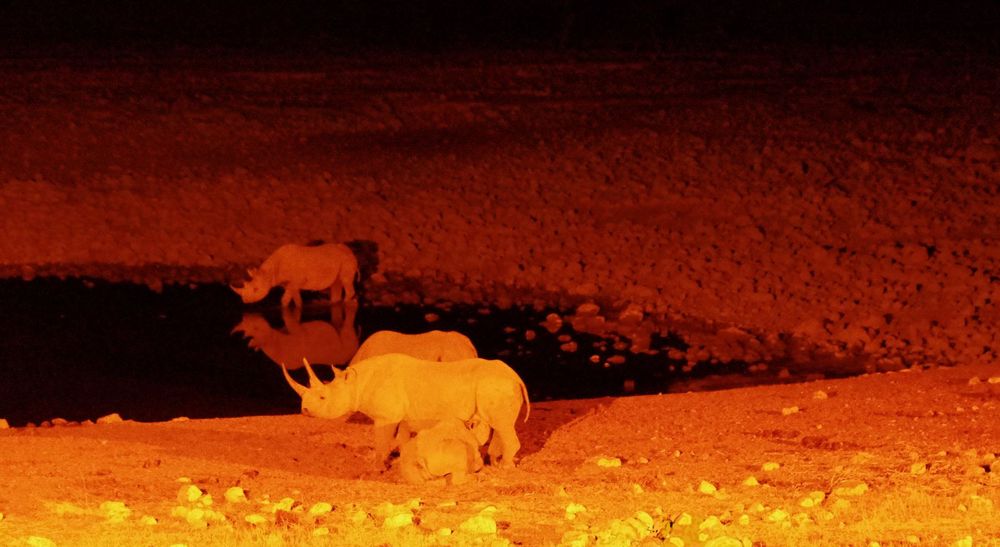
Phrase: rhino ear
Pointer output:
(346, 374)
(299, 388)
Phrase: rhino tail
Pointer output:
(527, 403)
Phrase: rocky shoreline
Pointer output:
(762, 215)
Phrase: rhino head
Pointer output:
(252, 325)
(256, 328)
(253, 290)
(323, 400)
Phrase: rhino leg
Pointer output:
(335, 291)
(347, 280)
(409, 464)
(385, 437)
(509, 445)
(480, 430)
(504, 444)
(291, 295)
(459, 476)
(403, 434)
(499, 407)
(495, 449)
(475, 459)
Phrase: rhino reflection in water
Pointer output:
(318, 341)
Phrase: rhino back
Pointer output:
(456, 346)
(310, 268)
(400, 387)
(434, 345)
(500, 386)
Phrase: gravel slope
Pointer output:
(895, 458)
(784, 205)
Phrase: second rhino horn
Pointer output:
(313, 379)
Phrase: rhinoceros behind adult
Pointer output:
(395, 388)
(435, 345)
(303, 267)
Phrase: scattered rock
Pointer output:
(112, 418)
(235, 494)
(320, 508)
(189, 494)
(573, 509)
(552, 323)
(480, 524)
(609, 462)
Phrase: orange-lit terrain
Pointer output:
(807, 210)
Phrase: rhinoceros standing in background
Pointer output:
(303, 267)
(449, 449)
(395, 388)
(435, 345)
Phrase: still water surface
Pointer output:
(80, 350)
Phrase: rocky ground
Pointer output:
(777, 204)
(885, 459)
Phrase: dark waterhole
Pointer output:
(79, 350)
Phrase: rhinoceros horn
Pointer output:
(313, 379)
(299, 388)
(241, 327)
(252, 272)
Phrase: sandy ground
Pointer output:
(895, 458)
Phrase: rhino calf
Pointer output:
(448, 451)
(407, 429)
(395, 388)
(303, 267)
(434, 345)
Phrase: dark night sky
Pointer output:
(462, 24)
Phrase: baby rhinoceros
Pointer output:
(435, 345)
(395, 388)
(448, 451)
(330, 266)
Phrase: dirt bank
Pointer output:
(832, 202)
(895, 458)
